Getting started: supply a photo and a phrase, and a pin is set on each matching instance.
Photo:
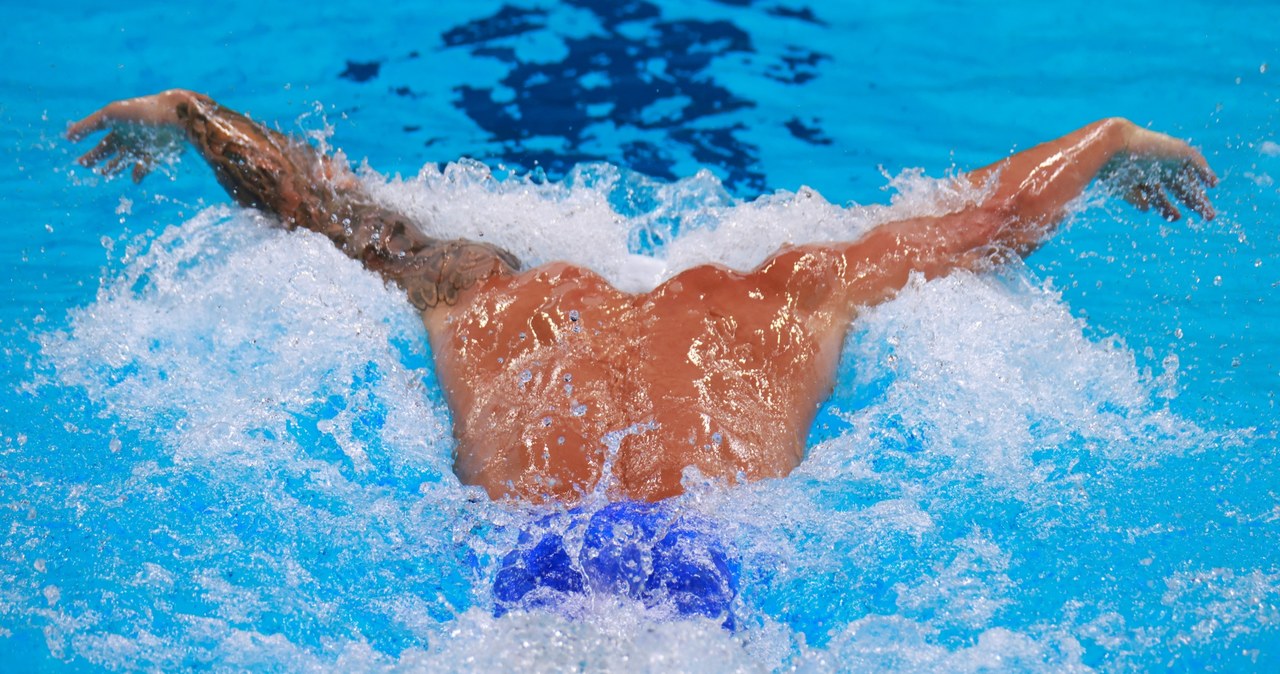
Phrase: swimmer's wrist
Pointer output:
(1119, 133)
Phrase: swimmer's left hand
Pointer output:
(1154, 167)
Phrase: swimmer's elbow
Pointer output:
(996, 227)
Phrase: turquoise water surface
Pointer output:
(223, 446)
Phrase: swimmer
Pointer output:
(715, 369)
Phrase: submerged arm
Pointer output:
(263, 169)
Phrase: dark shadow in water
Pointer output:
(639, 91)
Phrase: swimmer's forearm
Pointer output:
(267, 170)
(1034, 188)
(258, 167)
(1030, 197)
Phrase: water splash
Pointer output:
(254, 465)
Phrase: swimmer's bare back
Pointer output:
(560, 384)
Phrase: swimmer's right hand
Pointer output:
(138, 131)
(1152, 167)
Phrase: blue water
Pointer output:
(223, 447)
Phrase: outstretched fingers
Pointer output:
(1197, 170)
(1189, 187)
(1139, 197)
(1188, 180)
(89, 125)
(109, 145)
(142, 168)
(1166, 185)
(1163, 171)
(113, 165)
(124, 147)
(112, 153)
(1167, 209)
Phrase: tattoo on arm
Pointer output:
(430, 270)
(267, 170)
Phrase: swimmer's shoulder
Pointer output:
(561, 275)
(556, 282)
(704, 282)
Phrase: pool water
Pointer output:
(223, 446)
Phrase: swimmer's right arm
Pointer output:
(1026, 196)
(267, 170)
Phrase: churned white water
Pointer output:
(637, 231)
(277, 491)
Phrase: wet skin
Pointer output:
(561, 385)
(552, 374)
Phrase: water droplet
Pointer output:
(578, 409)
(573, 315)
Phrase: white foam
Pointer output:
(990, 370)
(227, 325)
(243, 352)
(696, 221)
